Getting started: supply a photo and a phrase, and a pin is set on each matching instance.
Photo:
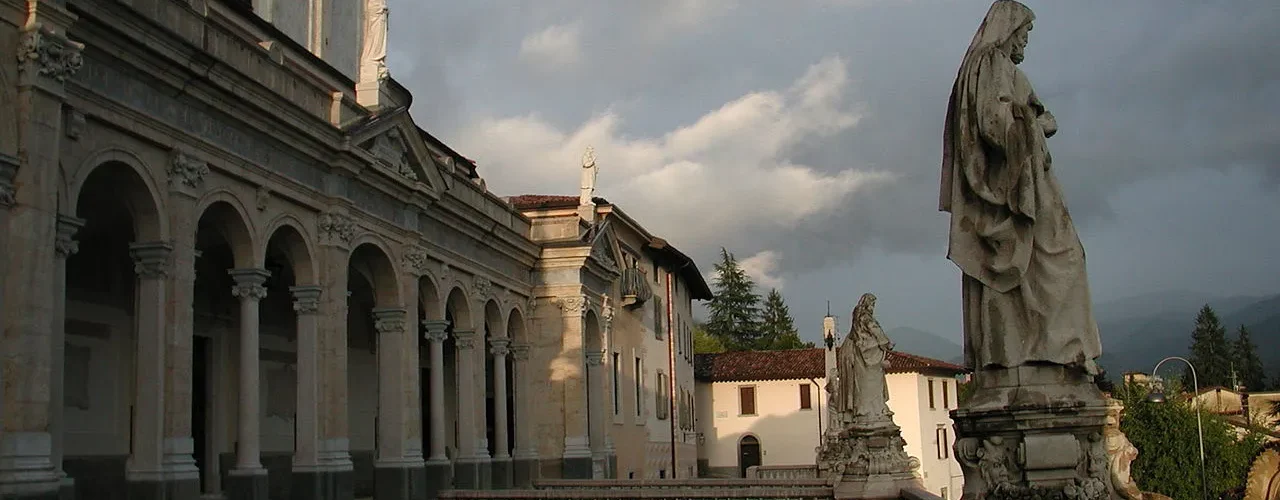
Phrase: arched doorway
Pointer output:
(371, 286)
(748, 453)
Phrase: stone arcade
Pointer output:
(234, 265)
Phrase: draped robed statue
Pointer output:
(862, 358)
(1025, 292)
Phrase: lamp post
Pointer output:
(1158, 396)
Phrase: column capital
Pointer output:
(572, 306)
(595, 357)
(499, 346)
(306, 299)
(520, 351)
(64, 242)
(151, 259)
(437, 329)
(249, 283)
(389, 321)
(465, 339)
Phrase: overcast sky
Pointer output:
(805, 135)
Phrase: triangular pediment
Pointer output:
(604, 246)
(396, 144)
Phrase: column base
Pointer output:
(322, 485)
(576, 467)
(466, 474)
(524, 471)
(67, 490)
(247, 485)
(186, 489)
(399, 483)
(439, 477)
(611, 471)
(502, 474)
(486, 473)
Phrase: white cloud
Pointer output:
(559, 45)
(727, 174)
(762, 268)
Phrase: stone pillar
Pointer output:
(467, 466)
(186, 177)
(524, 464)
(66, 246)
(568, 368)
(8, 169)
(45, 60)
(439, 469)
(501, 455)
(248, 480)
(145, 467)
(396, 477)
(596, 416)
(306, 304)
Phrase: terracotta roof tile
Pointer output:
(795, 364)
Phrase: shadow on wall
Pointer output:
(776, 442)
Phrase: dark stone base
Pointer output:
(576, 468)
(161, 490)
(704, 467)
(399, 483)
(439, 477)
(247, 487)
(611, 467)
(67, 491)
(45, 495)
(466, 475)
(524, 471)
(328, 485)
(502, 474)
(486, 474)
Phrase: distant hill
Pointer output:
(922, 343)
(1139, 331)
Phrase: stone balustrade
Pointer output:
(783, 472)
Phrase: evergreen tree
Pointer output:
(735, 307)
(1210, 351)
(1247, 364)
(778, 329)
(704, 342)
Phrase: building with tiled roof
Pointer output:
(768, 408)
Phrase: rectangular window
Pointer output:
(944, 451)
(805, 395)
(660, 402)
(617, 397)
(747, 400)
(931, 405)
(945, 398)
(639, 387)
(658, 313)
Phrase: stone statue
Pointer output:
(863, 358)
(1120, 454)
(1026, 296)
(376, 20)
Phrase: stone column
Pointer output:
(8, 169)
(45, 60)
(596, 416)
(396, 477)
(568, 367)
(501, 454)
(248, 480)
(467, 467)
(525, 462)
(306, 304)
(66, 246)
(438, 467)
(145, 468)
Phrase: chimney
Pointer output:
(586, 204)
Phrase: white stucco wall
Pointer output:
(787, 434)
(909, 400)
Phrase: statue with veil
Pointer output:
(862, 358)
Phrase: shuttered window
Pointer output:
(805, 397)
(747, 400)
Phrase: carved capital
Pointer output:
(499, 346)
(594, 357)
(389, 321)
(465, 339)
(306, 299)
(415, 260)
(48, 54)
(186, 172)
(575, 306)
(64, 242)
(437, 330)
(336, 228)
(482, 288)
(151, 260)
(520, 351)
(249, 283)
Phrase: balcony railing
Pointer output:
(635, 288)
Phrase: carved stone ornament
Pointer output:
(73, 124)
(437, 330)
(464, 339)
(249, 283)
(186, 171)
(595, 358)
(337, 227)
(151, 260)
(306, 299)
(52, 55)
(482, 288)
(520, 351)
(601, 253)
(994, 466)
(415, 260)
(263, 197)
(390, 149)
(499, 346)
(64, 242)
(389, 321)
(446, 276)
(573, 306)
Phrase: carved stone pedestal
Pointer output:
(868, 461)
(1046, 451)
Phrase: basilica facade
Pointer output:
(235, 266)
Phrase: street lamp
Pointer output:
(1157, 396)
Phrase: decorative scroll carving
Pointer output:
(336, 227)
(52, 55)
(186, 171)
(64, 242)
(465, 339)
(572, 306)
(499, 346)
(482, 287)
(151, 260)
(249, 283)
(389, 321)
(306, 299)
(415, 260)
(437, 330)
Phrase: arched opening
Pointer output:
(515, 332)
(492, 329)
(748, 453)
(428, 310)
(458, 314)
(371, 284)
(289, 262)
(99, 353)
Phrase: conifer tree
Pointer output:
(706, 343)
(1210, 351)
(777, 326)
(734, 310)
(1247, 364)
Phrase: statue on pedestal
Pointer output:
(863, 358)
